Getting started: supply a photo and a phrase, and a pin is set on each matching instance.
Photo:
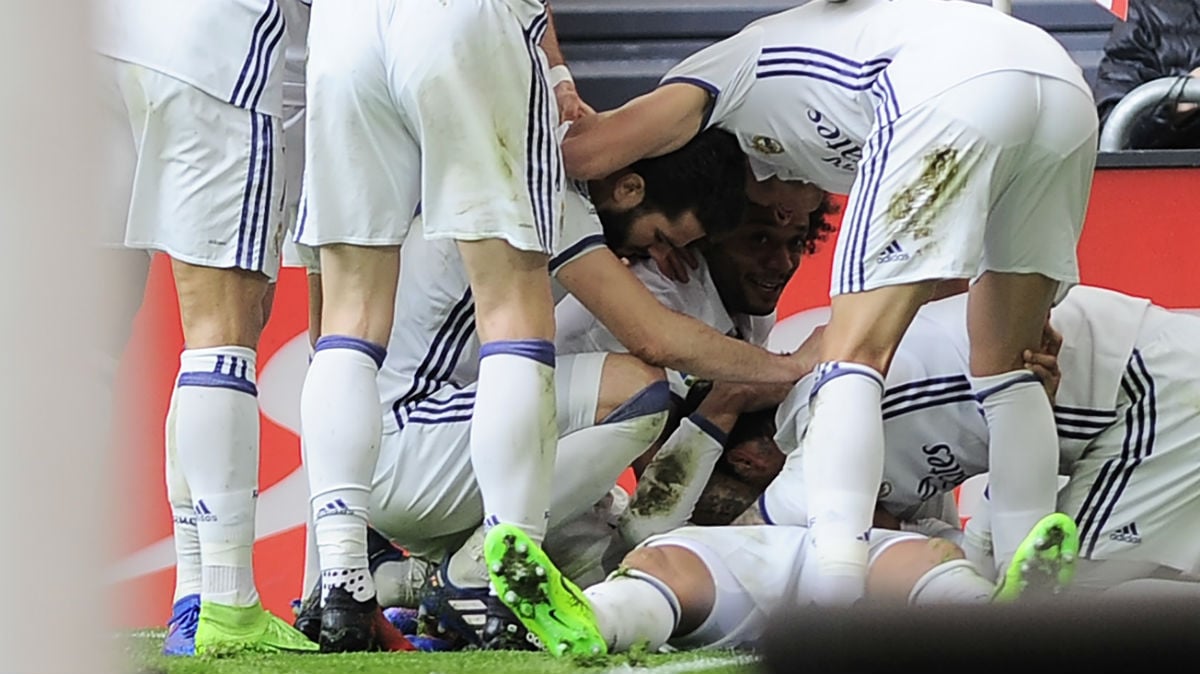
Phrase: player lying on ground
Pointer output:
(966, 141)
(1128, 434)
(717, 587)
(424, 494)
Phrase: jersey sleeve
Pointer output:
(577, 330)
(581, 230)
(726, 70)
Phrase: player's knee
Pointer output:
(682, 573)
(898, 569)
(630, 388)
(220, 307)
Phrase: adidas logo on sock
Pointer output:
(893, 253)
(334, 507)
(1127, 534)
(203, 514)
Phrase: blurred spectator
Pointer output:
(1160, 39)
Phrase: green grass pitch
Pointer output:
(143, 652)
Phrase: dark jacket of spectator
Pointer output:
(1160, 39)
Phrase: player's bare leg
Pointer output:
(843, 460)
(514, 431)
(214, 427)
(1006, 314)
(341, 425)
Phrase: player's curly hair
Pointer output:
(820, 224)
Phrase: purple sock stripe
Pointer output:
(833, 370)
(653, 399)
(534, 349)
(1021, 378)
(216, 380)
(376, 352)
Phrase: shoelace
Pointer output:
(188, 621)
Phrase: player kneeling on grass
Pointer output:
(716, 587)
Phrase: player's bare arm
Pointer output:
(570, 106)
(662, 337)
(648, 126)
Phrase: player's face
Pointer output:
(751, 265)
(640, 233)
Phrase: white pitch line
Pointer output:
(687, 667)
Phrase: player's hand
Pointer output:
(675, 263)
(570, 106)
(1044, 361)
(809, 354)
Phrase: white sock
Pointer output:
(514, 433)
(216, 437)
(977, 539)
(342, 428)
(467, 567)
(591, 460)
(843, 467)
(784, 501)
(953, 582)
(634, 607)
(1022, 456)
(183, 517)
(673, 481)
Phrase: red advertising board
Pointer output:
(1141, 237)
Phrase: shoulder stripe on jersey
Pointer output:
(1085, 411)
(946, 399)
(268, 31)
(452, 330)
(697, 82)
(459, 406)
(1140, 430)
(926, 388)
(575, 250)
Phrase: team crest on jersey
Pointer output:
(766, 145)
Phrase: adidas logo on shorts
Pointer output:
(1127, 534)
(893, 253)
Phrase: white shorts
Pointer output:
(194, 176)
(992, 175)
(424, 495)
(1135, 492)
(756, 570)
(442, 103)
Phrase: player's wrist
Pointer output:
(561, 74)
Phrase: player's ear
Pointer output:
(629, 192)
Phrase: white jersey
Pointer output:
(800, 88)
(581, 332)
(433, 341)
(934, 430)
(232, 50)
